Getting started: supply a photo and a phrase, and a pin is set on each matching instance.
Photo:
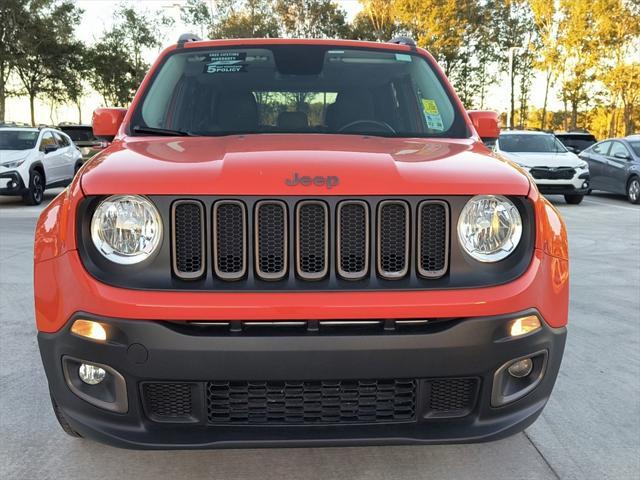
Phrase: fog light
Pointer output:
(90, 374)
(524, 325)
(521, 368)
(89, 329)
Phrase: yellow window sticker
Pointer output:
(429, 106)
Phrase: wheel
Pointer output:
(62, 420)
(633, 190)
(76, 168)
(573, 199)
(35, 193)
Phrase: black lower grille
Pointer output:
(311, 402)
(168, 401)
(452, 397)
(560, 173)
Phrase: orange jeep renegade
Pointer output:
(298, 242)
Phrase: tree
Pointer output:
(117, 64)
(376, 21)
(11, 11)
(42, 51)
(312, 19)
(623, 82)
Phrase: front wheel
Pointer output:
(35, 193)
(633, 190)
(573, 199)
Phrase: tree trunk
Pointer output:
(512, 107)
(79, 112)
(32, 99)
(2, 99)
(544, 105)
(574, 114)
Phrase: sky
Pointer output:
(98, 16)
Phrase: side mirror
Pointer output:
(50, 148)
(486, 123)
(622, 156)
(573, 149)
(106, 122)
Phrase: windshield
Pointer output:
(80, 134)
(298, 89)
(528, 142)
(580, 142)
(18, 139)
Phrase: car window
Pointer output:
(601, 148)
(618, 147)
(531, 142)
(47, 139)
(18, 139)
(79, 134)
(62, 141)
(635, 146)
(299, 89)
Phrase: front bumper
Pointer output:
(143, 351)
(11, 183)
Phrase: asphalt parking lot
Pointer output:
(589, 430)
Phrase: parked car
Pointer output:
(298, 242)
(83, 137)
(576, 141)
(32, 160)
(555, 169)
(615, 166)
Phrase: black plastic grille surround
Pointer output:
(311, 402)
(271, 239)
(549, 173)
(188, 239)
(433, 238)
(353, 239)
(393, 239)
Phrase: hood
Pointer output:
(535, 159)
(13, 155)
(268, 164)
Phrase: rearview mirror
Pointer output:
(486, 123)
(106, 122)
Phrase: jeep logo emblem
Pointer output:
(318, 181)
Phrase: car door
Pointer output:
(616, 170)
(67, 153)
(51, 159)
(596, 157)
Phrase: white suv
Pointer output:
(556, 170)
(33, 159)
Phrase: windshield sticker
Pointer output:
(226, 62)
(434, 122)
(430, 107)
(403, 57)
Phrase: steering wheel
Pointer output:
(376, 123)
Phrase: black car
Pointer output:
(576, 142)
(615, 166)
(83, 137)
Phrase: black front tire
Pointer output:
(76, 168)
(62, 420)
(35, 193)
(633, 190)
(573, 199)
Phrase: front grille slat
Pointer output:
(433, 238)
(271, 239)
(229, 239)
(188, 239)
(352, 239)
(312, 236)
(393, 239)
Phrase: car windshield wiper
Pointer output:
(161, 131)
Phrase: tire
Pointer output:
(76, 168)
(573, 199)
(633, 190)
(62, 420)
(35, 193)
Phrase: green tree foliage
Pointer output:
(376, 21)
(44, 44)
(312, 19)
(117, 64)
(11, 13)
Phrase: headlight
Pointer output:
(126, 229)
(489, 227)
(14, 164)
(582, 164)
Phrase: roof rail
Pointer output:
(187, 37)
(403, 40)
